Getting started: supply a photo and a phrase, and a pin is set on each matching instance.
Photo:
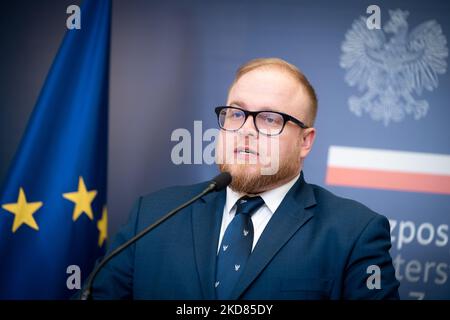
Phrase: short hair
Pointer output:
(285, 66)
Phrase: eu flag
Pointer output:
(53, 217)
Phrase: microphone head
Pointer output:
(221, 181)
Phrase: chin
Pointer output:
(247, 170)
(249, 179)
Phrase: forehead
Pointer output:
(269, 88)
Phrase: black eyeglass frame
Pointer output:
(254, 114)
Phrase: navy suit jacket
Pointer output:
(315, 246)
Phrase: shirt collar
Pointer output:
(272, 198)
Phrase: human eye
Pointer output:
(272, 119)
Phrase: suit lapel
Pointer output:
(206, 222)
(289, 217)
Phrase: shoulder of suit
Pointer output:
(179, 191)
(332, 206)
(171, 197)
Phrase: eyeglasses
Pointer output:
(269, 123)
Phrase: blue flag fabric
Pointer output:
(53, 203)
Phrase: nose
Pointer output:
(248, 128)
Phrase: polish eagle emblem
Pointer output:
(392, 66)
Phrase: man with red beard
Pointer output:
(269, 235)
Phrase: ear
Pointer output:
(308, 136)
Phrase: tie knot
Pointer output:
(248, 205)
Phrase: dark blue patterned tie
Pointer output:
(236, 246)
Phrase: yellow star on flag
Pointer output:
(102, 226)
(82, 199)
(23, 211)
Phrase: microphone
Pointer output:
(218, 183)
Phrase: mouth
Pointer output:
(245, 151)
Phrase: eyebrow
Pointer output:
(243, 105)
(238, 103)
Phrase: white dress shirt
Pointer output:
(272, 200)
